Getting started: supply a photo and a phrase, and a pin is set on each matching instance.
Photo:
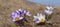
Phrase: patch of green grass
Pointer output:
(49, 17)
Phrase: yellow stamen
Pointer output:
(42, 20)
(16, 18)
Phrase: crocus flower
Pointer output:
(49, 10)
(16, 16)
(19, 14)
(39, 18)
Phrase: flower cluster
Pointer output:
(19, 14)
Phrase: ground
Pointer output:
(7, 6)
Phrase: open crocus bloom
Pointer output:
(39, 18)
(19, 14)
(16, 16)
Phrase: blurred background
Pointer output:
(47, 2)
